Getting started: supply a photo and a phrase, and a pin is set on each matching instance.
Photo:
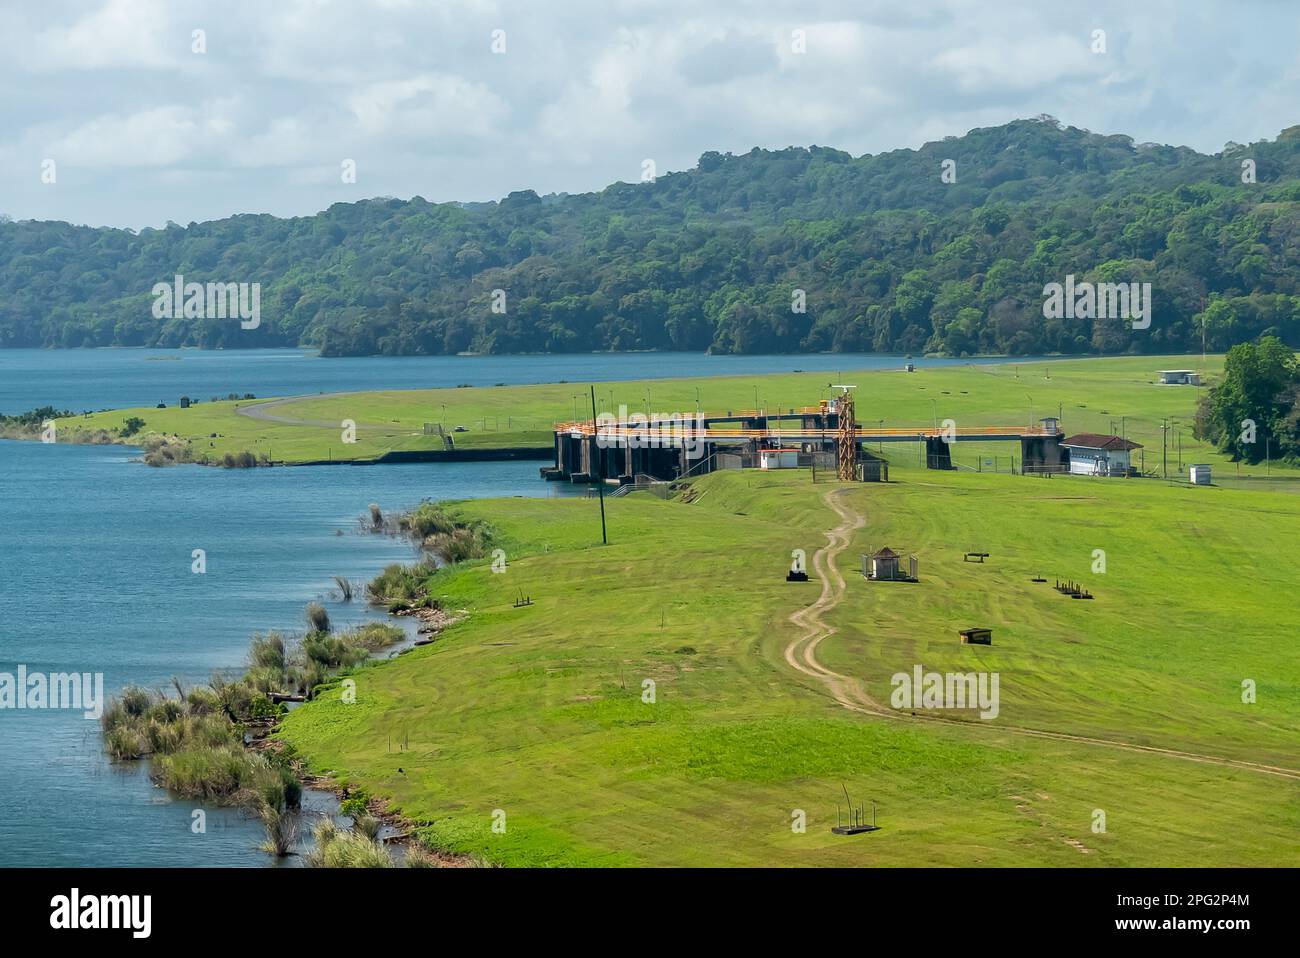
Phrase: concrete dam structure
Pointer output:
(664, 448)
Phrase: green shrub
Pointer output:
(264, 708)
(355, 805)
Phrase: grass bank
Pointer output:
(1092, 395)
(530, 736)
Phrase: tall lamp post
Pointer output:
(600, 480)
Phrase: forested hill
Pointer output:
(889, 256)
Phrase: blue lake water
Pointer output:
(95, 564)
(95, 576)
(90, 379)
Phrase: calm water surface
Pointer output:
(95, 567)
(90, 379)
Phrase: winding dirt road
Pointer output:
(260, 410)
(801, 654)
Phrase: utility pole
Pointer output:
(1164, 448)
(600, 481)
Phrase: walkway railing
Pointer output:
(675, 429)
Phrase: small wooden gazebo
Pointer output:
(884, 567)
(884, 564)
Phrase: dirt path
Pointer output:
(260, 410)
(801, 654)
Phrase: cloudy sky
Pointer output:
(143, 129)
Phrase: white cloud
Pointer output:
(430, 104)
(122, 33)
(151, 138)
(586, 90)
(993, 65)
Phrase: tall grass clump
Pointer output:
(332, 652)
(403, 586)
(281, 830)
(267, 652)
(318, 620)
(448, 536)
(373, 636)
(195, 738)
(161, 451)
(338, 848)
(242, 460)
(124, 743)
(417, 856)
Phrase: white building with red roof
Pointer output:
(1092, 454)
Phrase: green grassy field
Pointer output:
(1092, 395)
(538, 712)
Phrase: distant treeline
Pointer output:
(884, 254)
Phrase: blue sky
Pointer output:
(142, 129)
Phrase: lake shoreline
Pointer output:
(394, 457)
(257, 734)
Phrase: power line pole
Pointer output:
(600, 481)
(1164, 448)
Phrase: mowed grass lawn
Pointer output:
(1194, 594)
(1092, 395)
(538, 712)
